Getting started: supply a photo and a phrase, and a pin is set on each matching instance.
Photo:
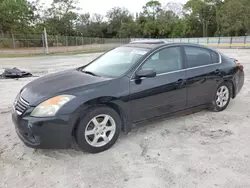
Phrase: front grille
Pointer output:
(21, 105)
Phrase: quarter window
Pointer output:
(215, 57)
(198, 57)
(166, 60)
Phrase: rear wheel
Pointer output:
(98, 130)
(222, 97)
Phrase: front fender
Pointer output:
(114, 94)
(121, 107)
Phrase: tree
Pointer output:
(205, 12)
(178, 29)
(234, 17)
(176, 8)
(152, 9)
(116, 17)
(128, 29)
(194, 19)
(61, 7)
(16, 16)
(97, 18)
(192, 27)
(97, 28)
(61, 17)
(140, 24)
(166, 22)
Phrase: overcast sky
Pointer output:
(102, 6)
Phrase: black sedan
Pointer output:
(138, 81)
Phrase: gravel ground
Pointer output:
(204, 149)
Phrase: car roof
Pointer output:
(152, 44)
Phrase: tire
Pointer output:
(93, 135)
(220, 106)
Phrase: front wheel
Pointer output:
(98, 130)
(222, 97)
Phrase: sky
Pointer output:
(102, 6)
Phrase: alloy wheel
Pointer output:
(100, 130)
(222, 96)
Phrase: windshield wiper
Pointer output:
(91, 73)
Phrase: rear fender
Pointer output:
(233, 90)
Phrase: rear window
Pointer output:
(199, 57)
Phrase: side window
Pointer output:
(197, 56)
(166, 60)
(215, 57)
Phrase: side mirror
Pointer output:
(146, 73)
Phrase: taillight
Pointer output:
(239, 65)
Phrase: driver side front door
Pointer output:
(165, 93)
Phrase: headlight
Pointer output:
(51, 106)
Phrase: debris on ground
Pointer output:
(14, 73)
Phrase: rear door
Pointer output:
(203, 74)
(165, 93)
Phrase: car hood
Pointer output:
(66, 82)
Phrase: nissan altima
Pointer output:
(92, 104)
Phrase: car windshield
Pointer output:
(115, 62)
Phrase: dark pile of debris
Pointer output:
(14, 73)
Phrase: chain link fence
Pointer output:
(215, 42)
(35, 44)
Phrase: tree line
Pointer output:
(196, 18)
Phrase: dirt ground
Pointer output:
(203, 150)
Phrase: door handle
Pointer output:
(181, 82)
(217, 71)
(202, 81)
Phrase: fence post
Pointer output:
(46, 42)
(76, 41)
(56, 41)
(82, 40)
(231, 39)
(43, 40)
(66, 38)
(245, 40)
(13, 41)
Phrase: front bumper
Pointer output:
(45, 133)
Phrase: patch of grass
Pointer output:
(54, 54)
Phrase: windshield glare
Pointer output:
(116, 62)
